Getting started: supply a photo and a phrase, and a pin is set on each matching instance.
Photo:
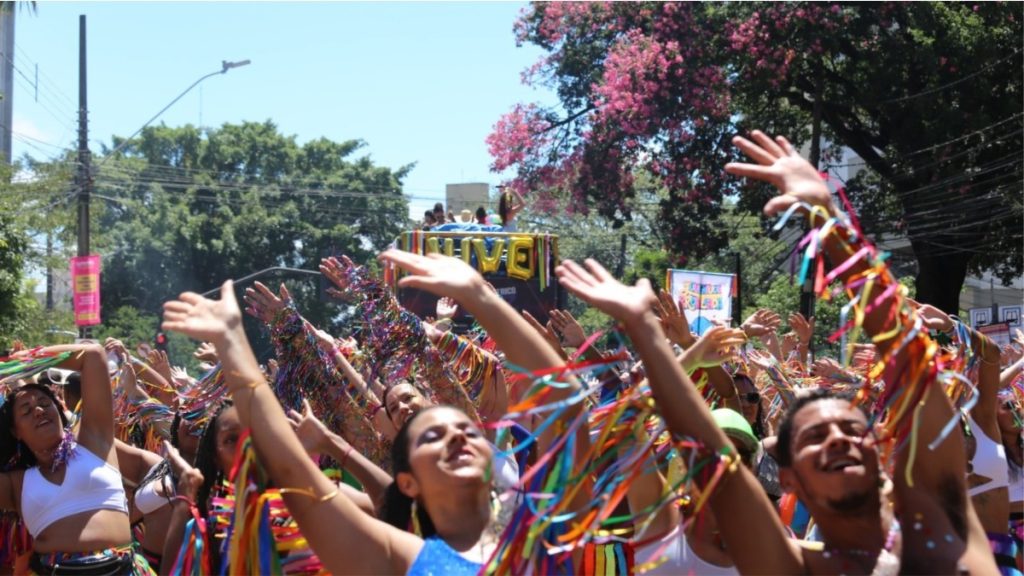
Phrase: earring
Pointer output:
(416, 520)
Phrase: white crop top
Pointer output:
(676, 558)
(89, 484)
(989, 461)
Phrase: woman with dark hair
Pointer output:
(509, 205)
(68, 490)
(449, 460)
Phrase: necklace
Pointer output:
(886, 563)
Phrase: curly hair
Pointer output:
(13, 454)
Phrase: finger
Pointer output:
(578, 273)
(177, 307)
(753, 171)
(753, 150)
(407, 261)
(285, 295)
(307, 410)
(174, 458)
(769, 145)
(598, 271)
(264, 293)
(292, 414)
(532, 321)
(779, 204)
(788, 148)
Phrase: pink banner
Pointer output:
(85, 283)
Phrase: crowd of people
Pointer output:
(522, 446)
(510, 203)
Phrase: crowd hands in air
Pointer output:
(523, 446)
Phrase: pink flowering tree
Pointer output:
(928, 95)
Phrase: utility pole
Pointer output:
(84, 180)
(6, 78)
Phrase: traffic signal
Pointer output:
(161, 341)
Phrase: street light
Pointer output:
(225, 66)
(85, 170)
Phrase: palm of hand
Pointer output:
(800, 180)
(598, 288)
(438, 274)
(446, 308)
(202, 318)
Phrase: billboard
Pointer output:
(85, 284)
(706, 296)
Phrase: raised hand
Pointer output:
(761, 323)
(717, 345)
(933, 318)
(597, 287)
(264, 304)
(180, 377)
(312, 433)
(118, 348)
(803, 328)
(446, 308)
(189, 479)
(337, 271)
(673, 320)
(157, 360)
(206, 353)
(437, 274)
(566, 325)
(826, 368)
(547, 332)
(272, 368)
(778, 163)
(204, 319)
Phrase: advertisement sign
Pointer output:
(998, 333)
(85, 284)
(706, 296)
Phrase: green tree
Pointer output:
(185, 209)
(928, 94)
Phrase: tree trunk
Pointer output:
(940, 277)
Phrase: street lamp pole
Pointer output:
(225, 66)
(85, 180)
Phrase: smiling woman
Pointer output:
(68, 489)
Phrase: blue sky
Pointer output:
(419, 82)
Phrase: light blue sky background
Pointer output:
(419, 82)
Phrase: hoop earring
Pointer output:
(416, 520)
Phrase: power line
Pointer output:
(949, 84)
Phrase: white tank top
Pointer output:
(989, 461)
(677, 558)
(89, 484)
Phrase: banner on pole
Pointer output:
(706, 296)
(85, 283)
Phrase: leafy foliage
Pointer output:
(188, 208)
(928, 94)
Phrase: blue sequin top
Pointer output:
(437, 558)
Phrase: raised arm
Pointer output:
(883, 312)
(523, 346)
(97, 424)
(346, 540)
(739, 504)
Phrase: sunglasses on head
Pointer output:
(751, 397)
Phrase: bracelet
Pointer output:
(310, 493)
(250, 386)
